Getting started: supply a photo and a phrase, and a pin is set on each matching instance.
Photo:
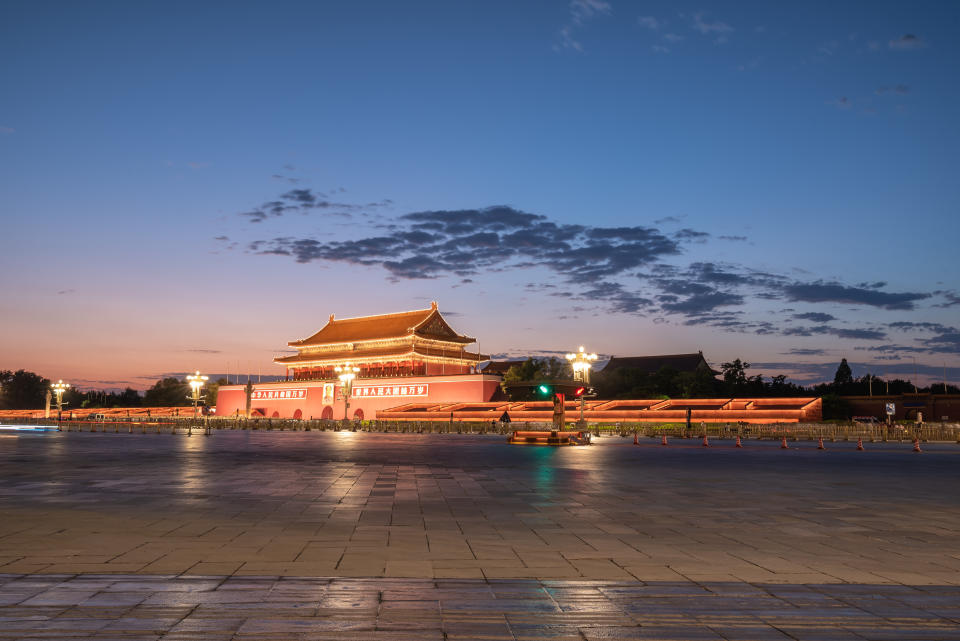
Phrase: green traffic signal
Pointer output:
(545, 390)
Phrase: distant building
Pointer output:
(501, 367)
(653, 364)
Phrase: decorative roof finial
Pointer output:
(433, 304)
(331, 318)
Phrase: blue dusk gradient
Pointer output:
(191, 185)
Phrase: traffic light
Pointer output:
(544, 390)
(579, 391)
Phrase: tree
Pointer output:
(844, 376)
(533, 370)
(129, 398)
(735, 373)
(22, 390)
(168, 392)
(210, 391)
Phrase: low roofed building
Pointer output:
(653, 364)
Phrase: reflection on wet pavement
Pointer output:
(354, 535)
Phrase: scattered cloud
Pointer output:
(841, 103)
(832, 292)
(852, 334)
(204, 351)
(649, 22)
(721, 29)
(816, 317)
(580, 12)
(896, 89)
(660, 49)
(672, 37)
(947, 342)
(911, 326)
(691, 235)
(799, 351)
(628, 269)
(303, 201)
(6, 131)
(64, 292)
(666, 219)
(198, 165)
(950, 297)
(906, 42)
(828, 48)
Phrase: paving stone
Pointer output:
(251, 535)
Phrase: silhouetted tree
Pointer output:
(168, 392)
(844, 376)
(533, 370)
(22, 390)
(210, 391)
(735, 373)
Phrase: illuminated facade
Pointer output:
(402, 358)
(417, 343)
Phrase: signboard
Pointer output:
(891, 409)
(277, 394)
(385, 391)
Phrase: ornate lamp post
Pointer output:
(196, 382)
(581, 363)
(346, 373)
(58, 389)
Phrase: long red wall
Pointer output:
(308, 396)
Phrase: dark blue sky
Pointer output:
(769, 181)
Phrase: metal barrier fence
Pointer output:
(777, 431)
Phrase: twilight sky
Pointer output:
(191, 185)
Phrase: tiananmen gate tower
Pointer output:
(401, 357)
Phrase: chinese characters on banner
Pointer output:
(277, 394)
(379, 391)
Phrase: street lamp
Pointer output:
(346, 374)
(196, 382)
(581, 362)
(58, 389)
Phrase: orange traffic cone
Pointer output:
(705, 442)
(820, 444)
(739, 444)
(635, 439)
(783, 444)
(859, 444)
(916, 445)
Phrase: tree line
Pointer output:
(733, 380)
(25, 390)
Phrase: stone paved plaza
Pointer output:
(293, 535)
